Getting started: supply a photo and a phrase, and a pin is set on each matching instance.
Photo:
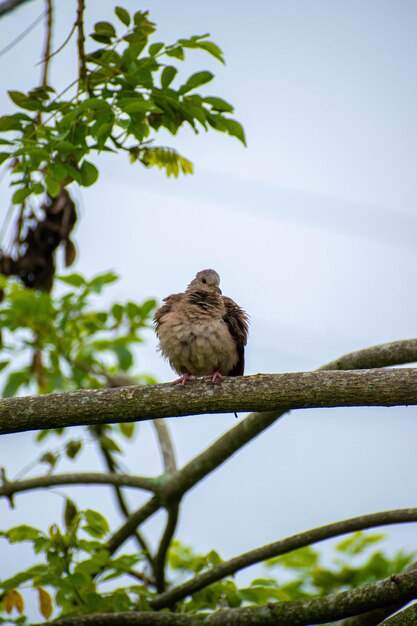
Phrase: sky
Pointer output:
(312, 229)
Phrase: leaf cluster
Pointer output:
(129, 90)
(65, 342)
(74, 571)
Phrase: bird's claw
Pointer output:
(182, 380)
(214, 377)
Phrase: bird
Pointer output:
(201, 332)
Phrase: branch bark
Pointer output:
(263, 392)
(10, 488)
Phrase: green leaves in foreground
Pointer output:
(76, 574)
(131, 90)
(66, 342)
(73, 571)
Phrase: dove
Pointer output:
(201, 332)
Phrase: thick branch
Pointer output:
(9, 488)
(283, 546)
(401, 587)
(246, 430)
(383, 355)
(263, 392)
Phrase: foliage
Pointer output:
(128, 89)
(63, 342)
(76, 569)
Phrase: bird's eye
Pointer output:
(203, 280)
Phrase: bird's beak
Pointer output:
(219, 290)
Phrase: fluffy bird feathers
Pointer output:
(201, 332)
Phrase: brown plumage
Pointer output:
(201, 332)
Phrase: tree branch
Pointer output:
(382, 355)
(166, 445)
(263, 392)
(247, 429)
(48, 39)
(123, 506)
(9, 488)
(160, 558)
(398, 588)
(82, 71)
(9, 5)
(399, 516)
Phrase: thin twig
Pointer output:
(48, 42)
(170, 465)
(62, 46)
(112, 467)
(161, 555)
(10, 488)
(82, 70)
(22, 35)
(166, 445)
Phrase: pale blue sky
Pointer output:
(312, 228)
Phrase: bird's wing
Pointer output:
(167, 307)
(237, 323)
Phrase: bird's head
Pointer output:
(206, 280)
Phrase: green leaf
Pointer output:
(97, 525)
(75, 280)
(20, 195)
(212, 49)
(70, 513)
(117, 312)
(22, 533)
(124, 357)
(168, 74)
(357, 542)
(123, 15)
(234, 129)
(196, 80)
(105, 28)
(4, 156)
(98, 282)
(53, 186)
(218, 104)
(155, 48)
(19, 98)
(177, 53)
(127, 429)
(15, 380)
(72, 448)
(89, 173)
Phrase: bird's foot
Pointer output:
(182, 380)
(214, 377)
